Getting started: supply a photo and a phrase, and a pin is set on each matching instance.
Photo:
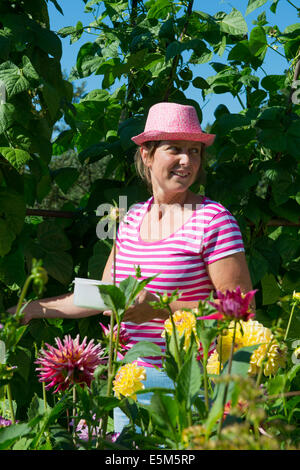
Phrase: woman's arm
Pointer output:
(61, 306)
(230, 272)
(226, 274)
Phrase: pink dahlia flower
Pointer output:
(69, 363)
(233, 304)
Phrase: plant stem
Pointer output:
(74, 414)
(290, 320)
(44, 395)
(293, 5)
(23, 293)
(177, 352)
(110, 371)
(206, 399)
(10, 402)
(275, 50)
(227, 384)
(221, 352)
(240, 101)
(259, 376)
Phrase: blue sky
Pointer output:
(275, 64)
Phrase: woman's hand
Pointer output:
(141, 311)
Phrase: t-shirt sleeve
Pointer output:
(222, 237)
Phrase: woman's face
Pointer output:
(174, 166)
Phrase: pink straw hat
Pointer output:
(172, 121)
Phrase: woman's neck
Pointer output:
(175, 198)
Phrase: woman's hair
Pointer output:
(144, 172)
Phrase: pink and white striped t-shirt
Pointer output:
(210, 234)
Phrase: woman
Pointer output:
(193, 244)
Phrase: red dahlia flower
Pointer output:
(70, 363)
(234, 304)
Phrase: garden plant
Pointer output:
(61, 379)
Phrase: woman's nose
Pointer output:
(184, 157)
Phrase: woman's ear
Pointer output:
(145, 156)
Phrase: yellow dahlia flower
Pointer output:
(213, 363)
(248, 334)
(276, 357)
(128, 381)
(185, 323)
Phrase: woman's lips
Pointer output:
(181, 174)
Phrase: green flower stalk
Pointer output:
(10, 403)
(229, 372)
(113, 346)
(11, 332)
(296, 302)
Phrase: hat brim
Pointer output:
(148, 136)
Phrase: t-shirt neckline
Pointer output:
(148, 204)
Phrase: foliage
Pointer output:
(202, 411)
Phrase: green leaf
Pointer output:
(5, 45)
(258, 266)
(253, 5)
(131, 287)
(6, 238)
(276, 385)
(227, 122)
(234, 23)
(36, 407)
(258, 43)
(160, 9)
(164, 411)
(142, 349)
(206, 336)
(52, 99)
(7, 116)
(66, 30)
(289, 210)
(59, 265)
(65, 178)
(48, 41)
(16, 157)
(87, 62)
(13, 78)
(52, 238)
(199, 82)
(270, 289)
(113, 297)
(240, 366)
(10, 434)
(273, 83)
(12, 209)
(128, 287)
(97, 261)
(189, 381)
(28, 70)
